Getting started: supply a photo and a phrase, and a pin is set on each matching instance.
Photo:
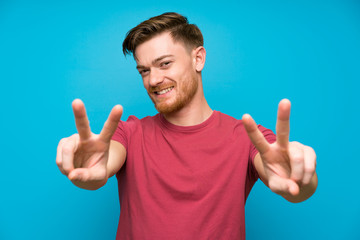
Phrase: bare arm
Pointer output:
(117, 156)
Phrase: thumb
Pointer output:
(281, 185)
(87, 174)
(293, 187)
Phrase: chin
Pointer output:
(164, 108)
(167, 109)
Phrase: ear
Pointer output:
(199, 58)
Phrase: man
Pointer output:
(186, 172)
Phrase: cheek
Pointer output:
(172, 73)
(179, 70)
(181, 76)
(145, 83)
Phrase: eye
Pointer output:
(165, 64)
(144, 72)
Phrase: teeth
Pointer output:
(164, 91)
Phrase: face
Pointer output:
(168, 72)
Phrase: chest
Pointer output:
(189, 163)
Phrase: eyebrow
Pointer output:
(156, 60)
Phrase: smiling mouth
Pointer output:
(164, 91)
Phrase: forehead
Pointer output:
(160, 45)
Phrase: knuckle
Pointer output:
(257, 142)
(67, 149)
(306, 180)
(65, 169)
(311, 151)
(58, 162)
(297, 158)
(274, 187)
(61, 143)
(75, 135)
(297, 175)
(82, 177)
(309, 169)
(296, 143)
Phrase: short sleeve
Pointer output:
(269, 136)
(120, 134)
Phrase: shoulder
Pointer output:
(238, 123)
(133, 123)
(229, 121)
(226, 117)
(133, 126)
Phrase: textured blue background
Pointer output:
(257, 54)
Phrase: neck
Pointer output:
(196, 112)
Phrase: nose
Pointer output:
(155, 77)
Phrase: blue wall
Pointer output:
(257, 54)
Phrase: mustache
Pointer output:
(161, 87)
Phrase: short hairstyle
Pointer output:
(178, 26)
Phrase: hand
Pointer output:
(83, 157)
(288, 166)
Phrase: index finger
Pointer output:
(111, 123)
(81, 120)
(283, 123)
(255, 135)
